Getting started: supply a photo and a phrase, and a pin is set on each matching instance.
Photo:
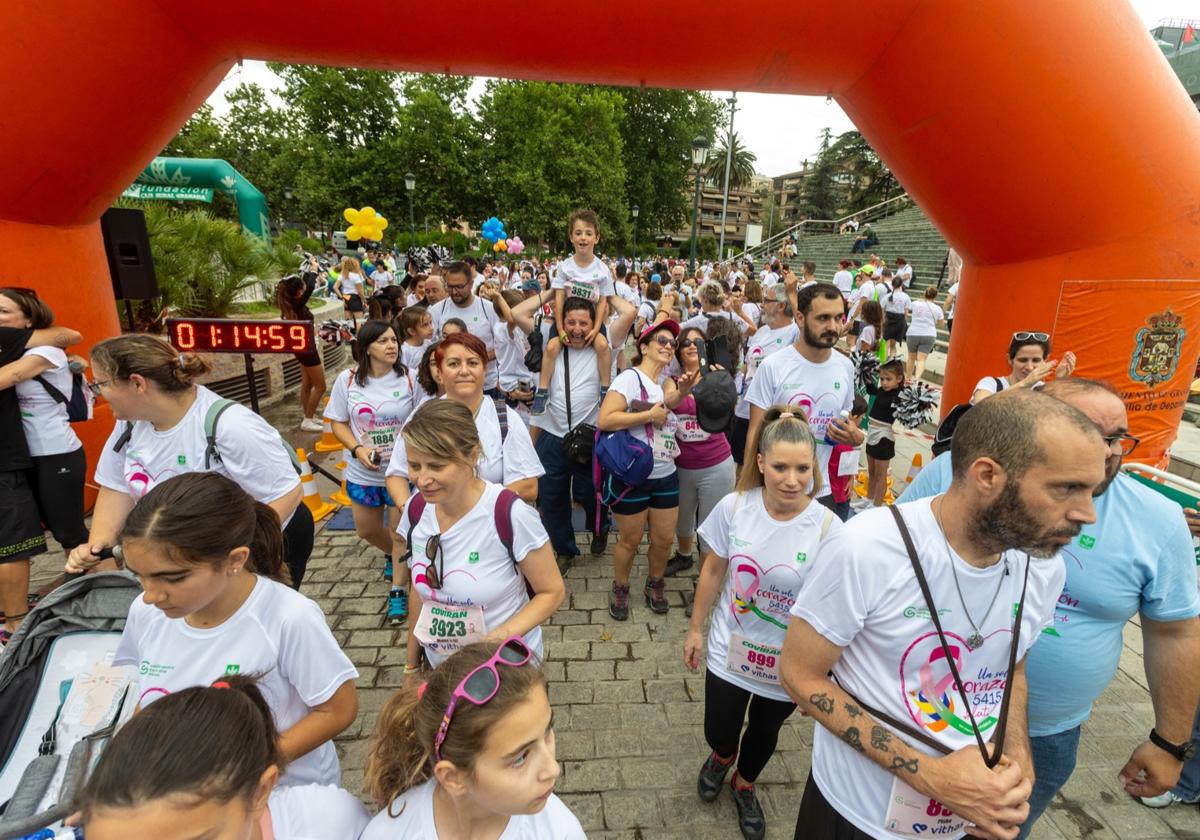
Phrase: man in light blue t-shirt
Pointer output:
(1137, 558)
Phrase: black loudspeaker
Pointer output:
(128, 247)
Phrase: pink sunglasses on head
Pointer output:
(482, 683)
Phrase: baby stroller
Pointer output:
(62, 698)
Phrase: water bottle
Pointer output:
(845, 415)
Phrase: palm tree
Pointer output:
(741, 165)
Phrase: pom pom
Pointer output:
(441, 254)
(866, 370)
(915, 404)
(420, 257)
(334, 333)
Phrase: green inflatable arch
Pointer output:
(200, 177)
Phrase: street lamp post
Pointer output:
(699, 153)
(635, 211)
(728, 164)
(410, 184)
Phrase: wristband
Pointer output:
(411, 670)
(354, 450)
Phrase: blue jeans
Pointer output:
(563, 481)
(1053, 763)
(1188, 788)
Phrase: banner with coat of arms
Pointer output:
(1143, 336)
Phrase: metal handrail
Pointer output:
(827, 225)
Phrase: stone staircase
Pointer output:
(909, 234)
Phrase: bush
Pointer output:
(203, 263)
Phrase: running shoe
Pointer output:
(600, 543)
(678, 563)
(618, 602)
(712, 775)
(751, 819)
(397, 606)
(1165, 799)
(656, 598)
(565, 562)
(308, 424)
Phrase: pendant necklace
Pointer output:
(975, 640)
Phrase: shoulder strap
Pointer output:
(826, 522)
(567, 381)
(125, 436)
(503, 520)
(502, 418)
(416, 509)
(59, 396)
(210, 430)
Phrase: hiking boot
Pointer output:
(397, 606)
(751, 820)
(600, 543)
(618, 602)
(656, 598)
(678, 563)
(712, 775)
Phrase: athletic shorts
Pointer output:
(654, 493)
(368, 495)
(884, 450)
(309, 359)
(21, 535)
(920, 344)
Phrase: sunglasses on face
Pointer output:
(1031, 336)
(665, 341)
(689, 342)
(482, 683)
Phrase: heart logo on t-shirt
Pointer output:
(139, 480)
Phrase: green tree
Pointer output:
(553, 148)
(656, 134)
(741, 164)
(200, 137)
(820, 195)
(870, 180)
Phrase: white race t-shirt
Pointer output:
(352, 284)
(627, 293)
(822, 391)
(475, 567)
(585, 392)
(411, 354)
(277, 634)
(992, 384)
(479, 316)
(844, 280)
(864, 292)
(250, 448)
(752, 311)
(925, 316)
(952, 292)
(415, 820)
(316, 812)
(663, 441)
(590, 282)
(862, 596)
(513, 461)
(382, 279)
(895, 302)
(701, 321)
(768, 563)
(760, 345)
(866, 338)
(376, 412)
(905, 273)
(47, 430)
(510, 356)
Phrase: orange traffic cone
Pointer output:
(327, 443)
(915, 469)
(340, 496)
(312, 499)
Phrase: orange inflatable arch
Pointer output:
(1049, 142)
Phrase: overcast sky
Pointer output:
(780, 130)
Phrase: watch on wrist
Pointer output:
(1183, 752)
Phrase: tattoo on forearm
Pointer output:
(823, 702)
(910, 766)
(851, 737)
(880, 738)
(853, 710)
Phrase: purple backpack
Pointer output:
(622, 455)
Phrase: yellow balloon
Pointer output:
(350, 215)
(501, 245)
(354, 233)
(367, 215)
(373, 233)
(381, 222)
(496, 247)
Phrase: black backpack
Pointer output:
(77, 404)
(945, 430)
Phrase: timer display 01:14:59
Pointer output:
(221, 335)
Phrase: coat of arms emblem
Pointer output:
(1156, 349)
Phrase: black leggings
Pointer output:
(57, 483)
(725, 709)
(298, 543)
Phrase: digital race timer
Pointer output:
(225, 335)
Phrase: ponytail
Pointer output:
(199, 518)
(206, 742)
